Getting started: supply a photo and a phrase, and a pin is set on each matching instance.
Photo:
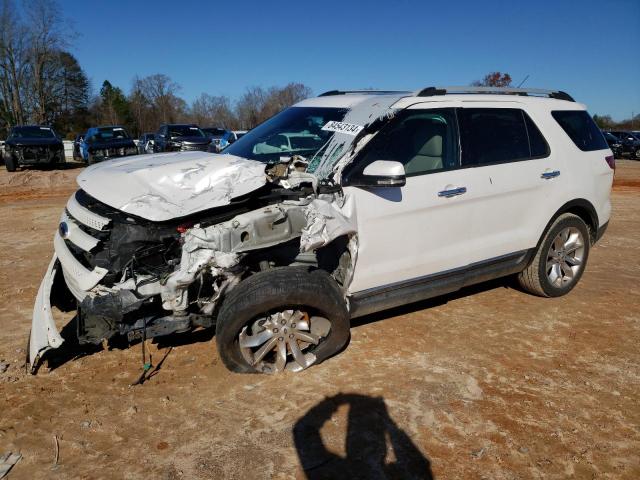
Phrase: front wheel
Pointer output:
(10, 163)
(560, 259)
(282, 319)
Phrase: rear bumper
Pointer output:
(601, 229)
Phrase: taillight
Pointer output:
(611, 161)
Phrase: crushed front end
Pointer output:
(137, 278)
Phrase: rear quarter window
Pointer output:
(581, 128)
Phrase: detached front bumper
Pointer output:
(78, 279)
(44, 334)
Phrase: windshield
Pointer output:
(32, 132)
(294, 131)
(108, 134)
(185, 131)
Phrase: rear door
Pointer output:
(517, 181)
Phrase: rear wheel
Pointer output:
(283, 319)
(560, 259)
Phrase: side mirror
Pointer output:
(381, 173)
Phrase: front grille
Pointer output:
(36, 153)
(192, 148)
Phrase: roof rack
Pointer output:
(536, 92)
(365, 92)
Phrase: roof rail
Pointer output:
(536, 92)
(365, 92)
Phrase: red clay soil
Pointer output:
(487, 383)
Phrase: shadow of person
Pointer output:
(376, 448)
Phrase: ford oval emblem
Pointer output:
(63, 228)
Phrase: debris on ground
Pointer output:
(7, 461)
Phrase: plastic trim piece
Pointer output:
(85, 279)
(83, 215)
(76, 235)
(44, 334)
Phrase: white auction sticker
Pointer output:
(341, 127)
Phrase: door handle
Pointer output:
(549, 175)
(452, 192)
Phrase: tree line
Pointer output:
(154, 100)
(41, 82)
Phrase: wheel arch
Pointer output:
(582, 208)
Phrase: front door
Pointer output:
(422, 228)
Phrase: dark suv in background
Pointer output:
(615, 144)
(181, 138)
(630, 142)
(105, 143)
(32, 145)
(220, 138)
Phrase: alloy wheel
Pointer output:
(282, 341)
(565, 257)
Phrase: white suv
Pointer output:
(391, 198)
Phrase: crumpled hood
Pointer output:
(171, 185)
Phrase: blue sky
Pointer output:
(588, 48)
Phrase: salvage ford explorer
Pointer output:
(337, 207)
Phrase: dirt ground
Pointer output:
(487, 383)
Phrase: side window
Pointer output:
(581, 128)
(537, 143)
(424, 141)
(492, 135)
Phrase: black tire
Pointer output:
(534, 278)
(10, 163)
(53, 163)
(278, 289)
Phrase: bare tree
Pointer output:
(494, 79)
(161, 93)
(47, 37)
(207, 110)
(33, 64)
(257, 104)
(14, 49)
